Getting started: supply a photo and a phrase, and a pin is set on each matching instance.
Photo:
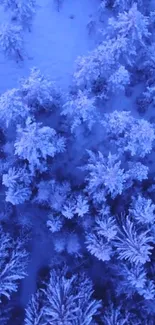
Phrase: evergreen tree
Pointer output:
(11, 41)
(13, 264)
(36, 142)
(18, 182)
(12, 107)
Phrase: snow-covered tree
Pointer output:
(137, 171)
(53, 194)
(114, 315)
(130, 24)
(81, 109)
(128, 133)
(82, 206)
(55, 222)
(22, 11)
(99, 241)
(39, 92)
(105, 176)
(34, 313)
(133, 276)
(36, 142)
(102, 62)
(98, 246)
(106, 226)
(132, 244)
(11, 41)
(140, 138)
(12, 108)
(143, 210)
(68, 302)
(13, 264)
(118, 80)
(123, 5)
(69, 207)
(18, 183)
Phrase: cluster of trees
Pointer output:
(11, 33)
(91, 174)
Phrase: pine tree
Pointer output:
(13, 264)
(81, 109)
(133, 245)
(22, 11)
(18, 182)
(36, 142)
(132, 25)
(11, 41)
(124, 5)
(39, 92)
(12, 108)
(105, 176)
(143, 210)
(53, 194)
(34, 313)
(128, 133)
(67, 302)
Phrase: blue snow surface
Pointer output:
(77, 175)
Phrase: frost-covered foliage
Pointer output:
(59, 197)
(14, 259)
(12, 108)
(140, 138)
(143, 210)
(133, 244)
(128, 133)
(106, 226)
(135, 280)
(81, 109)
(55, 223)
(99, 247)
(53, 194)
(18, 182)
(64, 301)
(132, 25)
(78, 305)
(114, 315)
(119, 79)
(22, 11)
(123, 5)
(81, 206)
(36, 142)
(99, 241)
(11, 41)
(39, 92)
(102, 63)
(34, 313)
(106, 176)
(121, 41)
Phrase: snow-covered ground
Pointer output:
(57, 38)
